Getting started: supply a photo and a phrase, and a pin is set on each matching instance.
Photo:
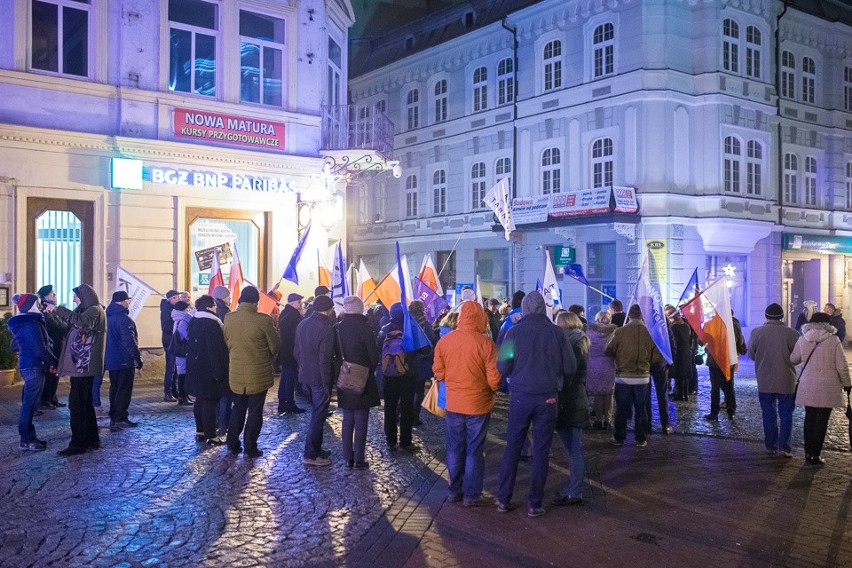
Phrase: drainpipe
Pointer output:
(513, 280)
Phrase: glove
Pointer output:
(139, 365)
(847, 390)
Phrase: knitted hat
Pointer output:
(774, 312)
(249, 295)
(171, 293)
(220, 292)
(321, 291)
(353, 305)
(119, 296)
(294, 297)
(533, 303)
(820, 317)
(323, 304)
(45, 290)
(26, 302)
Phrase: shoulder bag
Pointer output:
(352, 377)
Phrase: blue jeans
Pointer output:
(287, 387)
(527, 410)
(465, 457)
(320, 398)
(773, 407)
(223, 418)
(30, 399)
(572, 439)
(630, 398)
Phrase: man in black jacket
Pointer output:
(56, 330)
(122, 360)
(288, 321)
(836, 320)
(166, 325)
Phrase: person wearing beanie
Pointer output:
(252, 348)
(535, 355)
(166, 326)
(288, 321)
(222, 297)
(398, 389)
(31, 341)
(122, 360)
(770, 346)
(824, 372)
(56, 330)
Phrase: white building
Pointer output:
(221, 107)
(679, 100)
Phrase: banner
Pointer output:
(136, 288)
(583, 202)
(625, 199)
(550, 283)
(209, 126)
(526, 210)
(433, 304)
(650, 300)
(657, 249)
(235, 279)
(338, 279)
(366, 284)
(429, 275)
(413, 336)
(498, 199)
(290, 271)
(216, 278)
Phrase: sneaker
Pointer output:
(58, 404)
(642, 444)
(200, 437)
(169, 398)
(711, 417)
(184, 402)
(730, 416)
(41, 443)
(47, 406)
(31, 446)
(216, 441)
(615, 442)
(361, 465)
(504, 507)
(317, 461)
(787, 454)
(534, 512)
(563, 501)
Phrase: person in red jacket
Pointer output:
(466, 361)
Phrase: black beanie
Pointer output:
(774, 312)
(44, 291)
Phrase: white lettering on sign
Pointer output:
(215, 180)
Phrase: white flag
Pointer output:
(136, 288)
(338, 278)
(499, 201)
(549, 283)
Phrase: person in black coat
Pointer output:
(357, 344)
(56, 330)
(166, 326)
(121, 360)
(837, 320)
(288, 321)
(682, 351)
(206, 368)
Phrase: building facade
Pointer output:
(728, 121)
(147, 133)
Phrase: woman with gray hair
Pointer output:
(600, 381)
(357, 344)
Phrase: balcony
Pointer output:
(356, 139)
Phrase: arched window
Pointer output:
(602, 163)
(791, 181)
(477, 185)
(730, 46)
(603, 50)
(505, 81)
(754, 168)
(788, 75)
(733, 155)
(552, 59)
(480, 89)
(754, 41)
(810, 181)
(808, 80)
(411, 196)
(440, 100)
(439, 192)
(412, 107)
(503, 169)
(551, 174)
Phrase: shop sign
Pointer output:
(527, 210)
(657, 251)
(563, 256)
(240, 130)
(826, 244)
(583, 202)
(214, 180)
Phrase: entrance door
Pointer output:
(805, 285)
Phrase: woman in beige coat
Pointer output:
(822, 379)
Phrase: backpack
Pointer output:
(393, 355)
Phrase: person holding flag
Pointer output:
(289, 320)
(718, 381)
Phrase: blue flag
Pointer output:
(575, 271)
(538, 287)
(691, 288)
(650, 300)
(290, 272)
(413, 337)
(433, 304)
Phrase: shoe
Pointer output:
(711, 417)
(71, 451)
(393, 447)
(94, 446)
(126, 424)
(254, 453)
(31, 446)
(615, 442)
(478, 502)
(184, 402)
(815, 460)
(58, 404)
(410, 448)
(296, 410)
(563, 501)
(455, 498)
(772, 452)
(504, 507)
(114, 427)
(41, 443)
(730, 416)
(362, 465)
(47, 406)
(200, 437)
(168, 398)
(534, 512)
(642, 444)
(317, 461)
(216, 441)
(693, 392)
(324, 453)
(234, 450)
(350, 464)
(668, 429)
(787, 454)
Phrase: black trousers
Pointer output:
(84, 424)
(816, 425)
(399, 401)
(51, 382)
(659, 385)
(205, 411)
(718, 383)
(253, 405)
(120, 392)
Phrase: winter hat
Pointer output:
(468, 295)
(635, 312)
(171, 294)
(321, 291)
(774, 312)
(293, 297)
(249, 295)
(26, 303)
(323, 304)
(45, 290)
(119, 296)
(353, 305)
(820, 317)
(220, 292)
(533, 303)
(396, 313)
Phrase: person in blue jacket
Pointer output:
(122, 359)
(35, 356)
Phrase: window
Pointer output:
(810, 181)
(733, 153)
(601, 274)
(261, 58)
(735, 269)
(551, 175)
(193, 30)
(381, 106)
(848, 185)
(364, 126)
(808, 80)
(602, 163)
(788, 75)
(411, 196)
(439, 192)
(60, 37)
(847, 89)
(412, 108)
(553, 65)
(363, 205)
(480, 89)
(730, 46)
(477, 185)
(791, 166)
(604, 50)
(754, 161)
(335, 66)
(503, 169)
(505, 81)
(753, 43)
(492, 269)
(441, 101)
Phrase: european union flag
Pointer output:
(575, 271)
(290, 271)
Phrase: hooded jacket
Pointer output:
(826, 371)
(466, 361)
(31, 341)
(512, 318)
(85, 344)
(634, 352)
(252, 347)
(770, 347)
(122, 341)
(206, 357)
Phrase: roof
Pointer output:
(831, 10)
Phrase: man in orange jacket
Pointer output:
(466, 361)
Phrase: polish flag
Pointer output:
(709, 315)
(235, 278)
(388, 290)
(429, 276)
(216, 278)
(366, 284)
(323, 272)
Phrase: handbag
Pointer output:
(352, 377)
(430, 401)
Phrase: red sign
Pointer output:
(243, 131)
(583, 202)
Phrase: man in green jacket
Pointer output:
(252, 347)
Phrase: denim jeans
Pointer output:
(527, 410)
(223, 418)
(630, 398)
(354, 433)
(572, 439)
(30, 399)
(287, 387)
(465, 456)
(320, 398)
(776, 406)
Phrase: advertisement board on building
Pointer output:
(526, 210)
(229, 129)
(583, 202)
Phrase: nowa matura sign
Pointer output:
(215, 127)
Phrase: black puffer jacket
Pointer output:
(207, 357)
(314, 351)
(357, 343)
(288, 321)
(573, 400)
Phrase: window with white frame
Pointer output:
(440, 99)
(477, 185)
(193, 33)
(808, 80)
(552, 59)
(411, 196)
(848, 185)
(335, 72)
(791, 180)
(603, 50)
(261, 58)
(551, 173)
(754, 41)
(503, 169)
(754, 168)
(788, 75)
(810, 181)
(60, 36)
(731, 45)
(412, 109)
(480, 89)
(602, 163)
(733, 155)
(364, 126)
(380, 198)
(847, 89)
(439, 192)
(505, 81)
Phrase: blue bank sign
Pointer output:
(825, 244)
(129, 174)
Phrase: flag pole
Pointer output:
(151, 288)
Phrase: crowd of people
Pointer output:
(562, 375)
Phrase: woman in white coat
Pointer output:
(823, 377)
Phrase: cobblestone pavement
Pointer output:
(151, 496)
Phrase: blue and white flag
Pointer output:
(290, 272)
(650, 300)
(338, 278)
(575, 271)
(551, 285)
(413, 337)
